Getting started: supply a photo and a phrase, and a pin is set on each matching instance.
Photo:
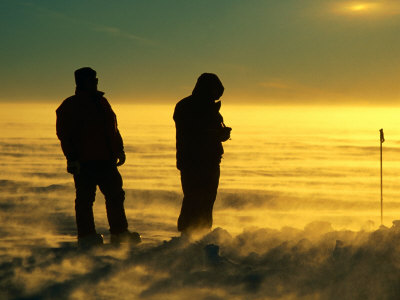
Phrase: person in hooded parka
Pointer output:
(200, 131)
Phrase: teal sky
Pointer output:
(264, 51)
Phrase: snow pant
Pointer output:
(199, 187)
(106, 176)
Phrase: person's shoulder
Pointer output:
(103, 100)
(68, 101)
(182, 107)
(184, 103)
(67, 104)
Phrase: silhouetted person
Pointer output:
(93, 146)
(200, 131)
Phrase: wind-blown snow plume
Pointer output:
(256, 264)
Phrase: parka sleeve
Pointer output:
(118, 138)
(65, 129)
(117, 141)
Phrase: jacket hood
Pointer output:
(208, 86)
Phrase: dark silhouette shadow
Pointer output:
(200, 131)
(91, 142)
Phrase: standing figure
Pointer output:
(93, 146)
(200, 131)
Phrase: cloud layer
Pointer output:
(314, 263)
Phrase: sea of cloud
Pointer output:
(292, 218)
(259, 263)
(39, 258)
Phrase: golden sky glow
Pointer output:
(368, 8)
(361, 7)
(358, 8)
(153, 51)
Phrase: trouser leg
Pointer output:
(111, 186)
(188, 215)
(200, 191)
(85, 195)
(211, 181)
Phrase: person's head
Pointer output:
(85, 79)
(208, 86)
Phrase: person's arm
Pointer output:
(121, 153)
(117, 141)
(65, 128)
(220, 132)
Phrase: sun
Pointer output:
(359, 7)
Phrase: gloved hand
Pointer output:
(121, 158)
(225, 133)
(73, 167)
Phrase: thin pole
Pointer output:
(382, 139)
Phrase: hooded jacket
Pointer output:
(198, 124)
(87, 128)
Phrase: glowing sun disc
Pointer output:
(359, 7)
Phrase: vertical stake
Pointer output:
(382, 139)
